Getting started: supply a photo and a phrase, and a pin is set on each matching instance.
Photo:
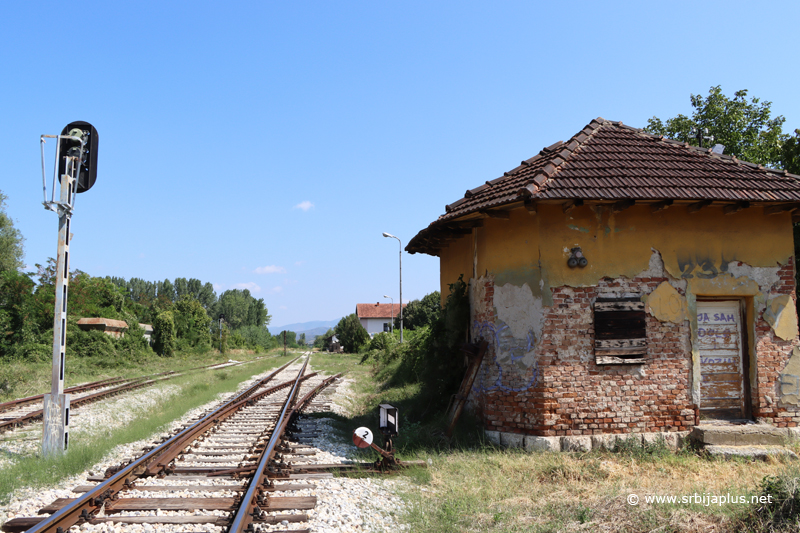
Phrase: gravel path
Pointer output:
(344, 505)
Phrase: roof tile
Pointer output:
(611, 161)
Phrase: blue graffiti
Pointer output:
(490, 332)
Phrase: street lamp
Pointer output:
(401, 282)
(391, 330)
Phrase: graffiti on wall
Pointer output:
(512, 357)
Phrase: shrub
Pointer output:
(382, 341)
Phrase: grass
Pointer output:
(472, 485)
(196, 389)
(19, 378)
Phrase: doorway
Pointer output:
(721, 345)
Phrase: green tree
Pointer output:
(10, 241)
(241, 309)
(419, 313)
(744, 126)
(258, 336)
(351, 333)
(790, 157)
(164, 333)
(192, 323)
(322, 341)
(235, 306)
(18, 323)
(166, 290)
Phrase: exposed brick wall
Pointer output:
(572, 395)
(773, 353)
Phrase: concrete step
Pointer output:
(749, 452)
(739, 435)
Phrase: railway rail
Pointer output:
(233, 468)
(23, 411)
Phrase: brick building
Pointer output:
(627, 283)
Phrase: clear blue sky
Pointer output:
(269, 144)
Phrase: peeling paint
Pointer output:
(666, 304)
(698, 246)
(511, 355)
(781, 314)
(790, 379)
(576, 228)
(519, 309)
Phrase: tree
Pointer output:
(166, 290)
(323, 341)
(351, 333)
(10, 241)
(164, 333)
(419, 313)
(790, 158)
(744, 127)
(192, 323)
(241, 309)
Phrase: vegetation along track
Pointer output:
(224, 470)
(17, 413)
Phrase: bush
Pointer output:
(430, 355)
(382, 341)
(93, 343)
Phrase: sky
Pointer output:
(268, 145)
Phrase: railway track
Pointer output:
(237, 468)
(23, 411)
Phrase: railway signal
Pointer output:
(76, 170)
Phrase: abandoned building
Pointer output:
(627, 283)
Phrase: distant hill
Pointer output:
(311, 329)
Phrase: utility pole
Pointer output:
(284, 343)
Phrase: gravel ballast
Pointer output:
(343, 504)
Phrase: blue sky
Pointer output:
(268, 145)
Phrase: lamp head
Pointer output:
(388, 235)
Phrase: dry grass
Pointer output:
(501, 491)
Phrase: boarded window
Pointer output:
(620, 331)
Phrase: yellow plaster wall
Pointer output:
(455, 260)
(534, 249)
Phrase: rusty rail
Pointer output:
(129, 385)
(92, 501)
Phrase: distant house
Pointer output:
(377, 317)
(148, 332)
(115, 328)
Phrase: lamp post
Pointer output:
(391, 324)
(401, 282)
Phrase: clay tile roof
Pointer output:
(377, 310)
(609, 161)
(103, 322)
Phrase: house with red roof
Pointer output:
(626, 283)
(377, 317)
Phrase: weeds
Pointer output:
(781, 512)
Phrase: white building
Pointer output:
(377, 317)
